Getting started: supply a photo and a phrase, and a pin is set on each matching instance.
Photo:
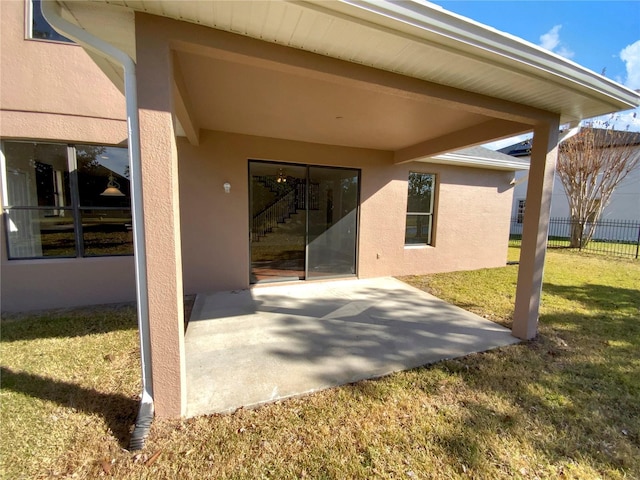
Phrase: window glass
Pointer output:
(420, 192)
(418, 229)
(420, 196)
(520, 212)
(66, 201)
(37, 175)
(107, 232)
(38, 233)
(40, 28)
(103, 176)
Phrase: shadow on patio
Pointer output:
(248, 347)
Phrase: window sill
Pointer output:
(59, 260)
(46, 40)
(417, 246)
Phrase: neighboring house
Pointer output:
(623, 205)
(276, 141)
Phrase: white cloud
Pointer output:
(565, 52)
(630, 55)
(628, 120)
(551, 41)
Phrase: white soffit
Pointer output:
(412, 38)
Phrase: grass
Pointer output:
(566, 405)
(69, 384)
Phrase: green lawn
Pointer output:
(566, 405)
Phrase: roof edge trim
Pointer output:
(475, 162)
(432, 18)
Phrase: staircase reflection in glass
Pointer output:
(303, 221)
(278, 222)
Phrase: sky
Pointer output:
(601, 35)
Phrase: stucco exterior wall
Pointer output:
(54, 92)
(56, 283)
(471, 216)
(55, 79)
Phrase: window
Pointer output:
(420, 202)
(66, 201)
(520, 211)
(38, 28)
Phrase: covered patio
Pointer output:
(248, 347)
(378, 86)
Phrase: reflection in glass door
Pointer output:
(303, 221)
(278, 221)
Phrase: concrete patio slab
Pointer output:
(248, 347)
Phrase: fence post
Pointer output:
(638, 243)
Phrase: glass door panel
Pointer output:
(333, 195)
(278, 221)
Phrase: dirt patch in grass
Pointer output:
(565, 405)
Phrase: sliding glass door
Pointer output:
(331, 244)
(303, 221)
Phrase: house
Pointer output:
(624, 203)
(273, 141)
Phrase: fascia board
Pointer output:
(434, 24)
(475, 162)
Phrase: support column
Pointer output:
(544, 155)
(162, 222)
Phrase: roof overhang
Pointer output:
(479, 157)
(415, 40)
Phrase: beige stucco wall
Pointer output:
(54, 92)
(57, 79)
(472, 210)
(40, 284)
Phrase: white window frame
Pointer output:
(430, 215)
(28, 27)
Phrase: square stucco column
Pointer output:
(162, 224)
(544, 155)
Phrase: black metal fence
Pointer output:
(611, 237)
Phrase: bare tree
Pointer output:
(591, 164)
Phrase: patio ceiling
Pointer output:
(267, 102)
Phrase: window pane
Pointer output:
(520, 213)
(420, 193)
(333, 222)
(37, 174)
(40, 233)
(107, 232)
(418, 229)
(102, 176)
(40, 28)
